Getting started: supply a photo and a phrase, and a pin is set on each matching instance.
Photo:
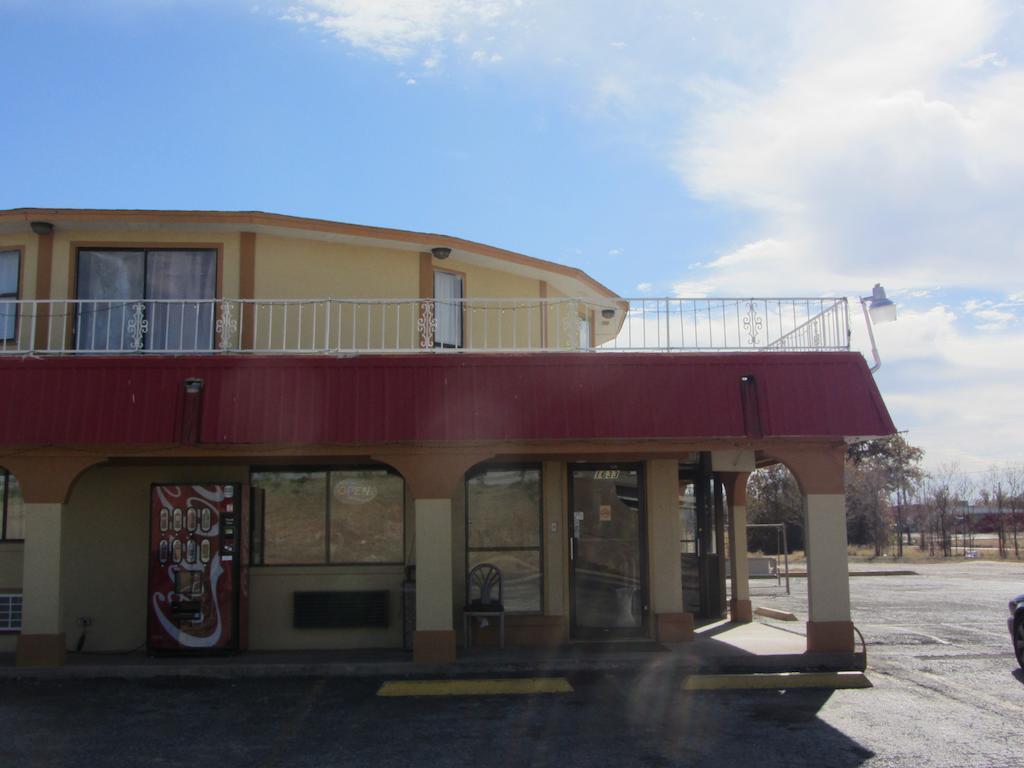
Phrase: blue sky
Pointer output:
(667, 148)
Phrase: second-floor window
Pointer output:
(10, 266)
(153, 299)
(448, 292)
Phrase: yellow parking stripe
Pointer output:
(498, 687)
(777, 681)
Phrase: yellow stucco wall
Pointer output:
(105, 569)
(296, 268)
(270, 606)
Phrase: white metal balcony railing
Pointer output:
(350, 326)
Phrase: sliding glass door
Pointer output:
(153, 299)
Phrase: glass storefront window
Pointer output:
(343, 516)
(367, 516)
(294, 521)
(503, 528)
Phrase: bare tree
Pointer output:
(1013, 477)
(941, 501)
(868, 513)
(993, 496)
(963, 493)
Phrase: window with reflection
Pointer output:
(503, 527)
(10, 270)
(336, 516)
(174, 289)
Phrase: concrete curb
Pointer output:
(777, 682)
(225, 670)
(775, 613)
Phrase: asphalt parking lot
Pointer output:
(947, 693)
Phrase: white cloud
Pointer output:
(644, 287)
(869, 153)
(400, 29)
(991, 58)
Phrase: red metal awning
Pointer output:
(297, 400)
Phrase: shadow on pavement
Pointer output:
(614, 719)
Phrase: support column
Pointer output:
(740, 609)
(42, 642)
(672, 624)
(819, 469)
(828, 579)
(434, 640)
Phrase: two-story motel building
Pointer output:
(392, 406)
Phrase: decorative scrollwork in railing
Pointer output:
(138, 325)
(426, 326)
(752, 324)
(227, 326)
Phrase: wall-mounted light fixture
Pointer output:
(880, 310)
(607, 314)
(192, 412)
(441, 252)
(42, 227)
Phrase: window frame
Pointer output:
(12, 596)
(462, 307)
(16, 296)
(326, 562)
(539, 549)
(3, 509)
(76, 247)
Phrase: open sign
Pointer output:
(354, 491)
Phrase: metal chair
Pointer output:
(482, 582)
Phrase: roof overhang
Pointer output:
(443, 398)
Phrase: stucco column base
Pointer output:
(433, 646)
(741, 611)
(40, 650)
(675, 627)
(835, 636)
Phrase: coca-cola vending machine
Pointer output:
(198, 568)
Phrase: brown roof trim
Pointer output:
(251, 218)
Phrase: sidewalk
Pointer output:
(720, 647)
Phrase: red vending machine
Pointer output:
(198, 568)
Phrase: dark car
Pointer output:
(1016, 625)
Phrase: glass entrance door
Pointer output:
(607, 558)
